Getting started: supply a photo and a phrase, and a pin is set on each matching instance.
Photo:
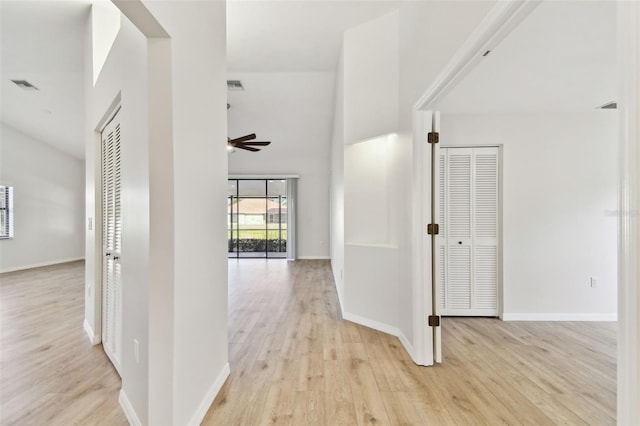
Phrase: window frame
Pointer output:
(6, 209)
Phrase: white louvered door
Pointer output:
(468, 242)
(112, 243)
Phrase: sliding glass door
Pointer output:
(257, 218)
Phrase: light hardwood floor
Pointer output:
(50, 374)
(294, 361)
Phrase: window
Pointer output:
(6, 212)
(257, 218)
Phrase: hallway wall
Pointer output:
(48, 199)
(174, 184)
(559, 209)
(381, 81)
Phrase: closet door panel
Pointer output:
(469, 220)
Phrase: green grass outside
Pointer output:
(258, 234)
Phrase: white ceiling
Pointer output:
(293, 110)
(43, 42)
(562, 58)
(303, 35)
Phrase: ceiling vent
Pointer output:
(24, 84)
(234, 85)
(609, 105)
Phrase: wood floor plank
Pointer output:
(314, 408)
(50, 373)
(367, 398)
(295, 361)
(400, 409)
(385, 371)
(339, 408)
(494, 372)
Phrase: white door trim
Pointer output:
(421, 268)
(628, 412)
(501, 20)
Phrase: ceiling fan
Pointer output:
(245, 142)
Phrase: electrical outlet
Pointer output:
(136, 350)
(90, 224)
(89, 288)
(594, 282)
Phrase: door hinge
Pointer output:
(433, 229)
(433, 137)
(434, 321)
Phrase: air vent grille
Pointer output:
(234, 85)
(24, 84)
(609, 105)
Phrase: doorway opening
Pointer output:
(481, 94)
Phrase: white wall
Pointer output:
(628, 344)
(559, 203)
(337, 182)
(365, 159)
(199, 69)
(174, 270)
(371, 250)
(48, 196)
(430, 34)
(123, 74)
(371, 67)
(294, 112)
(367, 180)
(387, 64)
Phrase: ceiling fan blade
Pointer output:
(243, 138)
(247, 148)
(252, 143)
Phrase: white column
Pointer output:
(628, 412)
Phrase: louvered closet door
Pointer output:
(112, 243)
(468, 242)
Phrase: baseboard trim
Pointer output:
(314, 258)
(385, 328)
(39, 265)
(407, 346)
(340, 301)
(92, 336)
(129, 412)
(559, 317)
(202, 409)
